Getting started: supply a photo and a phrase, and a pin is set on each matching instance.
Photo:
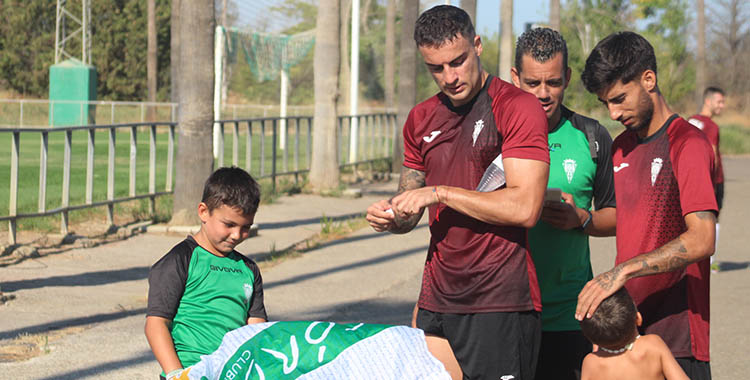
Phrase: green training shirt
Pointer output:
(204, 295)
(562, 257)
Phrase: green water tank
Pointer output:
(71, 85)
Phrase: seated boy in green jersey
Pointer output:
(203, 288)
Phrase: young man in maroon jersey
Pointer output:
(713, 103)
(666, 209)
(479, 289)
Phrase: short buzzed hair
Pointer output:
(442, 24)
(542, 44)
(710, 91)
(613, 321)
(231, 187)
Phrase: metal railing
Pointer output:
(265, 141)
(73, 151)
(40, 112)
(68, 143)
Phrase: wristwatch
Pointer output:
(587, 221)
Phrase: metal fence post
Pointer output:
(13, 205)
(43, 157)
(273, 159)
(235, 143)
(111, 176)
(296, 150)
(133, 155)
(262, 147)
(66, 182)
(221, 144)
(90, 165)
(249, 147)
(170, 159)
(152, 169)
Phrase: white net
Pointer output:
(267, 54)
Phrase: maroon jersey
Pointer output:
(474, 266)
(711, 130)
(658, 181)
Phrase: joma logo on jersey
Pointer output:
(554, 146)
(224, 269)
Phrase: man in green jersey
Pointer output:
(203, 288)
(581, 167)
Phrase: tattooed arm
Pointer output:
(695, 244)
(382, 220)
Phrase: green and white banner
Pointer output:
(319, 350)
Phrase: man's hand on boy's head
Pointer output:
(600, 287)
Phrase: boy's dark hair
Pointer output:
(613, 321)
(541, 44)
(441, 24)
(620, 56)
(710, 91)
(233, 187)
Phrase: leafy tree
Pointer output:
(27, 45)
(119, 39)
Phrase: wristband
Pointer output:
(587, 221)
(174, 374)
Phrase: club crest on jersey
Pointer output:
(248, 292)
(431, 137)
(656, 165)
(569, 165)
(477, 130)
(699, 124)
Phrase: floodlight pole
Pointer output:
(354, 75)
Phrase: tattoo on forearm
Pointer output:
(669, 257)
(410, 179)
(607, 279)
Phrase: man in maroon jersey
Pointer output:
(713, 103)
(666, 209)
(479, 289)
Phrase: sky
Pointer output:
(488, 13)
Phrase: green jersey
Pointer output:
(562, 257)
(204, 295)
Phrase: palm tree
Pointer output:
(554, 14)
(151, 57)
(390, 53)
(506, 39)
(407, 81)
(700, 67)
(324, 168)
(195, 80)
(470, 6)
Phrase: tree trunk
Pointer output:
(195, 82)
(700, 67)
(343, 96)
(174, 51)
(390, 53)
(151, 58)
(324, 169)
(506, 40)
(407, 81)
(470, 6)
(554, 14)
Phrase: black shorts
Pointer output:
(695, 369)
(561, 355)
(489, 345)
